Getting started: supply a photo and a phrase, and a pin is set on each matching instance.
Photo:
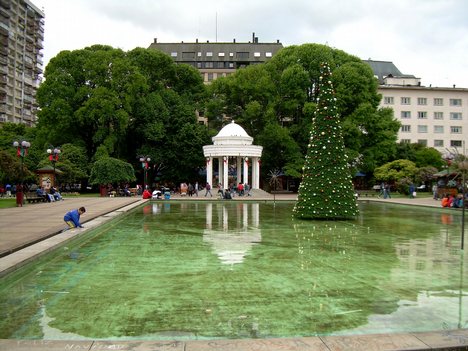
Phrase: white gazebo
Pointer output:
(232, 145)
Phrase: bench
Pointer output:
(33, 197)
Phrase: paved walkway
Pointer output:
(29, 231)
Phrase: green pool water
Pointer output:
(198, 270)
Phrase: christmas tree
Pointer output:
(326, 190)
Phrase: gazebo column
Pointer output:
(255, 173)
(245, 178)
(209, 170)
(239, 169)
(225, 172)
(220, 170)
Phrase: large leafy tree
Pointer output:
(86, 98)
(396, 170)
(421, 155)
(111, 170)
(123, 104)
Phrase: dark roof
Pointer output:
(384, 69)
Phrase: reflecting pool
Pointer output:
(197, 270)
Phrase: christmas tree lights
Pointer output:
(326, 191)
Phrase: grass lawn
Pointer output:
(7, 202)
(11, 202)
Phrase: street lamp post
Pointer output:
(21, 151)
(54, 153)
(145, 165)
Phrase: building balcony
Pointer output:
(4, 28)
(5, 5)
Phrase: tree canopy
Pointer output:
(111, 170)
(128, 103)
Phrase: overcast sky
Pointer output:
(426, 38)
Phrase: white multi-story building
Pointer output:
(21, 37)
(433, 116)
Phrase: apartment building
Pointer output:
(433, 116)
(215, 60)
(21, 38)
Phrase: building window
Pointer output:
(388, 100)
(438, 115)
(438, 129)
(210, 77)
(455, 129)
(422, 142)
(231, 65)
(405, 141)
(438, 143)
(231, 54)
(199, 54)
(242, 55)
(422, 128)
(406, 101)
(422, 101)
(188, 55)
(220, 54)
(438, 102)
(173, 54)
(199, 65)
(405, 114)
(268, 54)
(455, 115)
(220, 64)
(406, 128)
(422, 115)
(208, 64)
(455, 102)
(455, 143)
(256, 54)
(209, 54)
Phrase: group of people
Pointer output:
(385, 191)
(51, 196)
(228, 193)
(450, 200)
(7, 190)
(190, 189)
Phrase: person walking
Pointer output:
(208, 190)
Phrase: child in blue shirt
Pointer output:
(72, 218)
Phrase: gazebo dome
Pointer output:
(232, 130)
(232, 134)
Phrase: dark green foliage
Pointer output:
(111, 170)
(326, 190)
(123, 104)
